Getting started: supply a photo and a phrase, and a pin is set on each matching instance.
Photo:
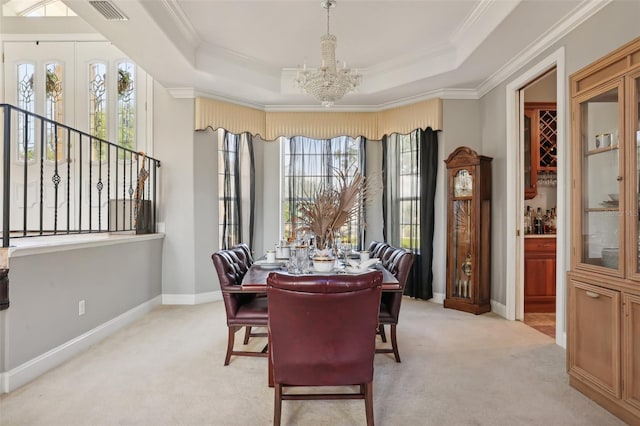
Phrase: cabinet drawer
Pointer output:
(594, 335)
(540, 245)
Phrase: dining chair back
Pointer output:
(242, 309)
(322, 333)
(398, 261)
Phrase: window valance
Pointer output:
(319, 125)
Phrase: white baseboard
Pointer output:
(191, 299)
(24, 373)
(562, 340)
(498, 308)
(438, 298)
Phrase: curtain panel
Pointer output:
(237, 189)
(410, 165)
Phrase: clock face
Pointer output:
(462, 184)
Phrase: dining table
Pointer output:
(255, 281)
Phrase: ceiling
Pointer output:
(248, 51)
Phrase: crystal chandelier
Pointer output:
(328, 83)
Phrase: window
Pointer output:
(126, 106)
(310, 163)
(235, 189)
(408, 203)
(98, 107)
(54, 111)
(228, 188)
(26, 101)
(37, 8)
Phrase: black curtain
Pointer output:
(238, 155)
(425, 156)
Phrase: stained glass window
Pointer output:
(126, 108)
(98, 108)
(26, 100)
(54, 110)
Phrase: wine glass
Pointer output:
(346, 251)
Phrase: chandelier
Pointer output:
(328, 83)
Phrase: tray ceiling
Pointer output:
(248, 51)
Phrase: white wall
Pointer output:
(174, 146)
(43, 327)
(461, 124)
(205, 169)
(373, 219)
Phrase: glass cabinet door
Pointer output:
(633, 206)
(462, 277)
(462, 237)
(601, 221)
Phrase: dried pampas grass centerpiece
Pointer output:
(332, 206)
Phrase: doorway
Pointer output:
(515, 192)
(538, 142)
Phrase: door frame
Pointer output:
(515, 193)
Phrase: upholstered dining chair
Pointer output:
(243, 253)
(242, 309)
(322, 332)
(398, 261)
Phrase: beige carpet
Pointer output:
(167, 369)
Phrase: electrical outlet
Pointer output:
(81, 307)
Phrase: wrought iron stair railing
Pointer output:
(59, 180)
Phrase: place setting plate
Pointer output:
(268, 265)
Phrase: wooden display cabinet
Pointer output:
(468, 232)
(603, 334)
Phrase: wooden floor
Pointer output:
(543, 322)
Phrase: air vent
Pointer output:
(108, 10)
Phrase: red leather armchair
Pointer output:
(242, 309)
(322, 333)
(397, 261)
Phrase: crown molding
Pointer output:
(577, 16)
(183, 92)
(479, 24)
(182, 22)
(53, 37)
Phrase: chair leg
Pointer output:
(277, 404)
(368, 402)
(230, 340)
(383, 336)
(247, 333)
(394, 342)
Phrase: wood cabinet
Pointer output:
(595, 335)
(468, 232)
(603, 340)
(631, 361)
(540, 274)
(540, 143)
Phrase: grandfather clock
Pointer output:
(468, 231)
